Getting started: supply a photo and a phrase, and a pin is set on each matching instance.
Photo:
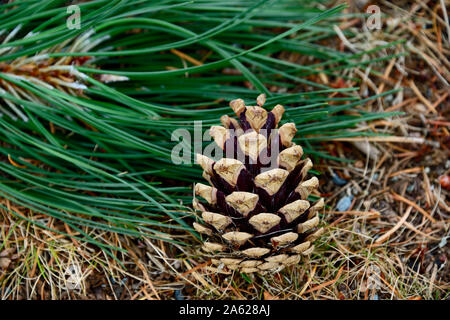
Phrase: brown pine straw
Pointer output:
(386, 236)
(199, 277)
(439, 123)
(197, 267)
(268, 296)
(421, 97)
(401, 104)
(38, 251)
(410, 170)
(386, 75)
(186, 57)
(348, 24)
(69, 232)
(15, 164)
(441, 99)
(357, 213)
(144, 272)
(234, 290)
(337, 221)
(411, 227)
(385, 139)
(389, 286)
(309, 280)
(409, 202)
(325, 284)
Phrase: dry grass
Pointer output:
(390, 243)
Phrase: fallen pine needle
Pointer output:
(325, 284)
(386, 236)
(198, 277)
(396, 139)
(401, 104)
(422, 211)
(410, 226)
(268, 296)
(389, 286)
(356, 213)
(186, 57)
(144, 272)
(421, 97)
(184, 274)
(33, 269)
(439, 123)
(309, 280)
(410, 170)
(15, 164)
(439, 101)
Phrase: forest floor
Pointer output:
(387, 218)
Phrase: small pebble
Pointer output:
(344, 203)
(419, 108)
(443, 242)
(359, 164)
(178, 295)
(4, 263)
(339, 181)
(177, 264)
(445, 182)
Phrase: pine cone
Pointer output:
(256, 214)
